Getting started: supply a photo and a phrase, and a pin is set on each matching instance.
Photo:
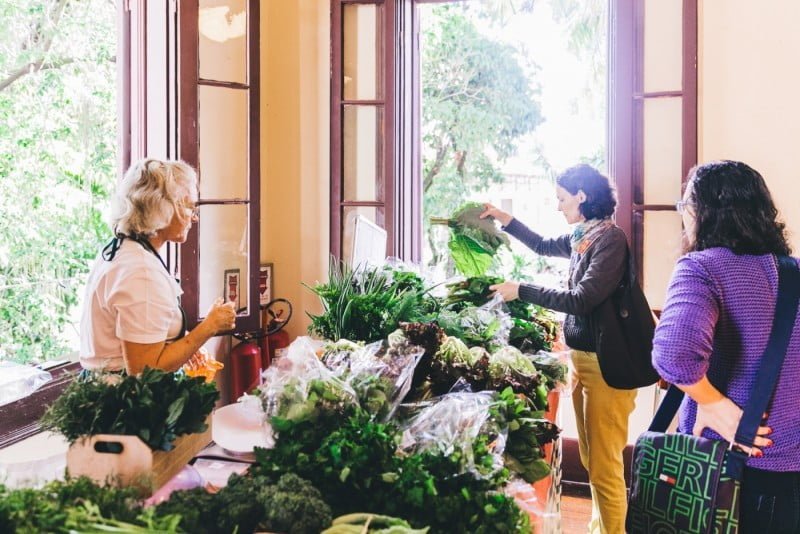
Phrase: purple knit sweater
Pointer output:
(716, 321)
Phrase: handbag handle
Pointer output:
(771, 361)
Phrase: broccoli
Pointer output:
(293, 505)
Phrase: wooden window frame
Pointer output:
(188, 150)
(626, 106)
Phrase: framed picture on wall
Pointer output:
(265, 284)
(231, 291)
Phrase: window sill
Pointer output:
(20, 419)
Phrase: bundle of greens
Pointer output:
(365, 305)
(473, 241)
(527, 434)
(357, 468)
(508, 367)
(156, 406)
(483, 327)
(553, 369)
(251, 503)
(472, 292)
(76, 504)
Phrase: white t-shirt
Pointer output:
(131, 298)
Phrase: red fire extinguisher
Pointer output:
(275, 317)
(245, 365)
(256, 349)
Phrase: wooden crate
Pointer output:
(128, 461)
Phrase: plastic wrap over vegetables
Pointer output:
(508, 367)
(460, 425)
(487, 326)
(379, 373)
(300, 388)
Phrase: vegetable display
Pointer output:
(156, 406)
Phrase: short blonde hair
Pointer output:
(146, 196)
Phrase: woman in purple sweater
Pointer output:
(715, 326)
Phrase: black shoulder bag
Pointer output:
(623, 327)
(685, 483)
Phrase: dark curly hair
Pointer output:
(734, 209)
(600, 199)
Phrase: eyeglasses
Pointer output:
(192, 210)
(681, 206)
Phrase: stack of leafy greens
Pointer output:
(481, 327)
(156, 406)
(473, 241)
(366, 304)
(356, 467)
(78, 505)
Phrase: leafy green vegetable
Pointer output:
(364, 523)
(473, 241)
(527, 433)
(156, 406)
(365, 305)
(250, 503)
(52, 508)
(476, 326)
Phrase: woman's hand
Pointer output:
(723, 416)
(508, 290)
(221, 317)
(496, 213)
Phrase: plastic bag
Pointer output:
(18, 381)
(301, 388)
(487, 326)
(557, 369)
(380, 373)
(451, 425)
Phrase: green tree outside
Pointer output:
(57, 164)
(477, 101)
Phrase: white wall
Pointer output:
(749, 70)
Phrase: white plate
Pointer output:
(238, 428)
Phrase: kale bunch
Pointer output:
(473, 241)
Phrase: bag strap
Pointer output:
(771, 361)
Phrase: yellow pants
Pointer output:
(602, 414)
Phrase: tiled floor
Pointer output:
(575, 514)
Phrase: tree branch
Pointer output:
(32, 67)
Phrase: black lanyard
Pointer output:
(110, 251)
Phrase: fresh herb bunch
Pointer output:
(49, 509)
(364, 305)
(473, 241)
(156, 406)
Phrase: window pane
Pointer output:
(363, 147)
(223, 40)
(363, 43)
(224, 246)
(349, 223)
(663, 45)
(224, 143)
(662, 248)
(663, 122)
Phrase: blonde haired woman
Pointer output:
(132, 318)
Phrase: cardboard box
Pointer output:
(127, 461)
